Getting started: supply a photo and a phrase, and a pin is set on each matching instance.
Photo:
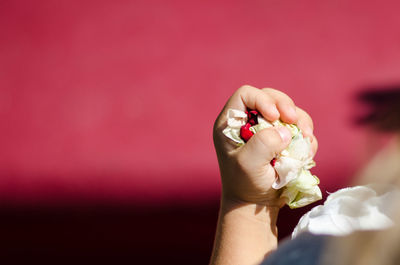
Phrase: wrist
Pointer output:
(270, 200)
(246, 232)
(258, 212)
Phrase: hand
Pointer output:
(246, 172)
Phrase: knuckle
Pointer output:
(245, 88)
(310, 122)
(305, 117)
(290, 101)
(279, 95)
(269, 138)
(286, 98)
(267, 89)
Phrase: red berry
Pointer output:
(252, 117)
(245, 133)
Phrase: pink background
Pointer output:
(114, 101)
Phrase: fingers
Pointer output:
(289, 113)
(265, 145)
(255, 98)
(252, 98)
(305, 123)
(272, 104)
(285, 105)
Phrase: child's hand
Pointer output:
(246, 172)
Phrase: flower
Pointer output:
(302, 190)
(292, 165)
(236, 119)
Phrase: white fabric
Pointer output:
(348, 210)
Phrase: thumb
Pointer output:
(266, 144)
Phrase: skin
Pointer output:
(246, 230)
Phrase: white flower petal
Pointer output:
(263, 123)
(305, 197)
(305, 181)
(236, 118)
(299, 148)
(288, 169)
(233, 134)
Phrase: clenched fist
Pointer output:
(246, 172)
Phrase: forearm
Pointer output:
(246, 233)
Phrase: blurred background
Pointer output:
(107, 108)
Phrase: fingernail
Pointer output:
(309, 138)
(284, 133)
